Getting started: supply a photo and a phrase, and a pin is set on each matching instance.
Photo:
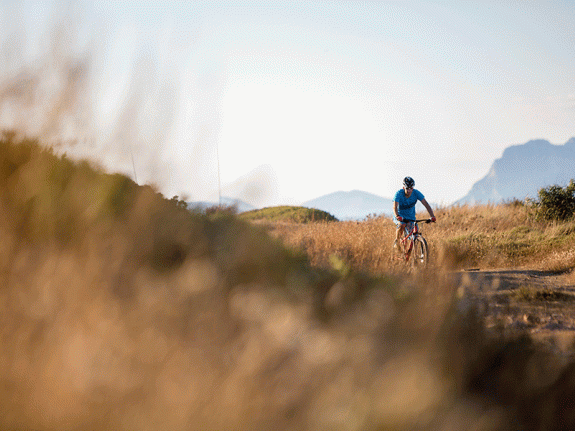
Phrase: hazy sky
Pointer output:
(289, 101)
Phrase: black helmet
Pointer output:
(408, 182)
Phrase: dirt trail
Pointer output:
(539, 302)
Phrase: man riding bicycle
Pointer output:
(404, 207)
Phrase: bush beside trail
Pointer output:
(556, 202)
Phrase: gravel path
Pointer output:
(538, 302)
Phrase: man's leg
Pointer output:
(399, 233)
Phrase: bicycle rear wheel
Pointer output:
(420, 253)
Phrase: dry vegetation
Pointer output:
(490, 236)
(121, 310)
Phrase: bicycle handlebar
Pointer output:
(427, 220)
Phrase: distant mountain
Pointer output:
(523, 170)
(353, 205)
(226, 201)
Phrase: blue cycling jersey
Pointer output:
(406, 207)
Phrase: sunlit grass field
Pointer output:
(120, 309)
(489, 236)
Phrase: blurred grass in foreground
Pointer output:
(119, 309)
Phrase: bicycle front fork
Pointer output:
(408, 251)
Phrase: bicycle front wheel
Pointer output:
(420, 253)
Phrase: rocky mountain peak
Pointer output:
(524, 169)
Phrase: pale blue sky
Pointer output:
(300, 99)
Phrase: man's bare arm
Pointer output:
(428, 208)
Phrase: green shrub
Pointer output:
(288, 213)
(556, 202)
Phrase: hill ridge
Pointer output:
(352, 205)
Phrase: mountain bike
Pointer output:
(416, 251)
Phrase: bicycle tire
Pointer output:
(420, 253)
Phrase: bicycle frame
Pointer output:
(411, 232)
(408, 239)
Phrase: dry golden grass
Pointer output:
(365, 246)
(490, 236)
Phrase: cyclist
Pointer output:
(404, 207)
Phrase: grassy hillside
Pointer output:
(120, 309)
(289, 214)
